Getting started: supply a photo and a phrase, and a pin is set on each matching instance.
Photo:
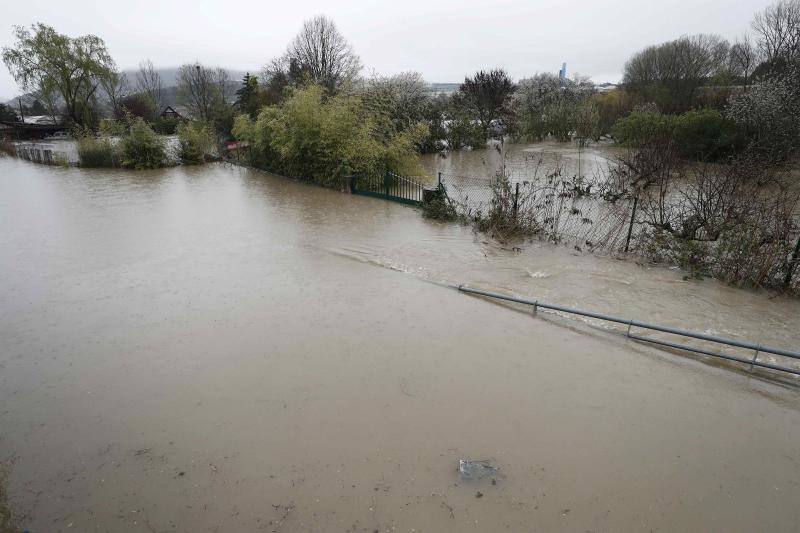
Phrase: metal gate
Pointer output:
(389, 186)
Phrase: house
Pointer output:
(171, 113)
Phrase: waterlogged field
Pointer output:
(215, 349)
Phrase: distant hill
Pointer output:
(169, 77)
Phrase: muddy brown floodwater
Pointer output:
(215, 349)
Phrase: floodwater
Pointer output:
(523, 161)
(217, 349)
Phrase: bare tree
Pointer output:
(324, 54)
(672, 72)
(743, 59)
(115, 87)
(148, 82)
(778, 28)
(199, 89)
(224, 85)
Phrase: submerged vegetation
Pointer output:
(137, 146)
(195, 141)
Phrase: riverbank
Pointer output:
(210, 347)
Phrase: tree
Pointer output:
(279, 74)
(138, 105)
(47, 61)
(148, 82)
(778, 28)
(318, 137)
(7, 114)
(116, 88)
(487, 95)
(320, 51)
(400, 100)
(670, 74)
(587, 121)
(770, 115)
(199, 90)
(247, 96)
(743, 59)
(546, 104)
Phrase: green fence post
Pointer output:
(386, 183)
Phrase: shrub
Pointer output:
(142, 147)
(111, 127)
(323, 139)
(195, 140)
(440, 206)
(7, 147)
(97, 152)
(704, 134)
(165, 126)
(640, 128)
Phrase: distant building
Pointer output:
(171, 113)
(42, 120)
(606, 87)
(562, 74)
(443, 88)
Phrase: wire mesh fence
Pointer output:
(562, 210)
(592, 215)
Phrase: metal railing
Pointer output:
(389, 186)
(758, 348)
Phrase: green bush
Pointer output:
(195, 140)
(114, 128)
(97, 152)
(142, 147)
(639, 128)
(702, 134)
(440, 206)
(165, 126)
(323, 139)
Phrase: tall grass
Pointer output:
(98, 152)
(7, 147)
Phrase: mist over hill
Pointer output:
(169, 77)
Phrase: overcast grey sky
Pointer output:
(442, 40)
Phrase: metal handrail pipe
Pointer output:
(635, 323)
(716, 354)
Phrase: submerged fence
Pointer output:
(752, 362)
(563, 210)
(389, 186)
(759, 247)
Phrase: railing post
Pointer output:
(630, 226)
(440, 179)
(386, 183)
(755, 358)
(516, 201)
(792, 263)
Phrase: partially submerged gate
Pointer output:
(389, 186)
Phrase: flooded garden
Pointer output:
(215, 348)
